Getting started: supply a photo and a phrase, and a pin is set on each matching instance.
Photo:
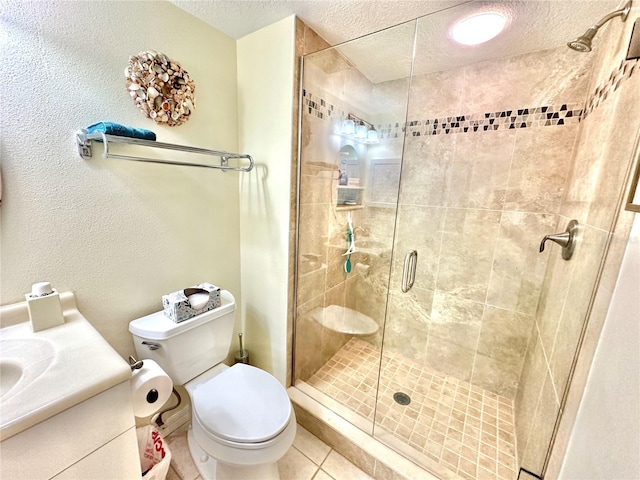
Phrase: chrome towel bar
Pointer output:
(84, 142)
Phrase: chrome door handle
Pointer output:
(409, 271)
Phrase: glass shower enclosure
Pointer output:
(349, 181)
(428, 176)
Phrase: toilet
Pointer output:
(242, 419)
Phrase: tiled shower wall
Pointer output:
(593, 189)
(322, 280)
(307, 42)
(464, 193)
(487, 154)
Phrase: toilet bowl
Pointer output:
(242, 418)
(242, 423)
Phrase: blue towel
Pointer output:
(111, 128)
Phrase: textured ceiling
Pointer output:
(335, 20)
(534, 25)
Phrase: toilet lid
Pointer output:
(242, 404)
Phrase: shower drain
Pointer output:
(402, 398)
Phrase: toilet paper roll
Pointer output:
(151, 387)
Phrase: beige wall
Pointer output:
(593, 192)
(605, 442)
(265, 105)
(118, 234)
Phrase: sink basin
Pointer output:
(22, 360)
(10, 375)
(46, 372)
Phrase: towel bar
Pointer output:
(84, 142)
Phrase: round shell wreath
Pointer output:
(160, 87)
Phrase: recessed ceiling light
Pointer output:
(478, 28)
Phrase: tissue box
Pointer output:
(177, 307)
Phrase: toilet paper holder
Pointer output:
(135, 364)
(157, 418)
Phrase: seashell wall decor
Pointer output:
(160, 87)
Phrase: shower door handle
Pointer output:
(409, 271)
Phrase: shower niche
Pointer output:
(350, 188)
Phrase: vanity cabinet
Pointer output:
(66, 401)
(94, 439)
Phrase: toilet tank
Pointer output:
(184, 350)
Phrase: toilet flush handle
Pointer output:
(151, 345)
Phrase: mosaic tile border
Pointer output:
(317, 106)
(623, 72)
(525, 117)
(544, 116)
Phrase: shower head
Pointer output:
(583, 42)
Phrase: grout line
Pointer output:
(308, 457)
(316, 472)
(461, 393)
(320, 470)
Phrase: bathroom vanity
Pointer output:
(65, 401)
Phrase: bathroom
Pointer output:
(121, 234)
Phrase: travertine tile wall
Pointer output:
(321, 280)
(486, 157)
(332, 89)
(307, 42)
(478, 193)
(593, 190)
(478, 217)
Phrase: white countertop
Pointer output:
(82, 364)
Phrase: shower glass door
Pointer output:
(478, 352)
(457, 162)
(354, 104)
(454, 344)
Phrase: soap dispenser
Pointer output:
(44, 307)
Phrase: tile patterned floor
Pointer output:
(467, 429)
(309, 458)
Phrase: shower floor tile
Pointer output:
(467, 429)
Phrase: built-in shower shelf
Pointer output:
(349, 207)
(345, 320)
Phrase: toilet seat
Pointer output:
(242, 405)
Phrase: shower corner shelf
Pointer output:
(350, 197)
(84, 142)
(344, 207)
